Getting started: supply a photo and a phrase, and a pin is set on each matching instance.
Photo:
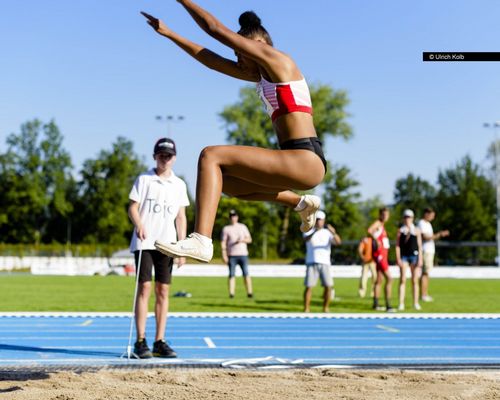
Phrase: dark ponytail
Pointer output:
(251, 27)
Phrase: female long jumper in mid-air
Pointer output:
(247, 172)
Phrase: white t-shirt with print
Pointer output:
(425, 227)
(159, 202)
(319, 247)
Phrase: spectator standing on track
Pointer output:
(429, 250)
(409, 254)
(234, 241)
(380, 255)
(319, 241)
(157, 209)
(365, 251)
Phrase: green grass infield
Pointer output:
(114, 293)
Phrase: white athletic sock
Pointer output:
(302, 204)
(205, 240)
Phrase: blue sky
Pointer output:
(101, 72)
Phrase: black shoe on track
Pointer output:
(163, 350)
(142, 350)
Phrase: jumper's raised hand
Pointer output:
(156, 24)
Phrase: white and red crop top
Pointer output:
(285, 97)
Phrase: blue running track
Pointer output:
(252, 340)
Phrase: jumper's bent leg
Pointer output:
(277, 170)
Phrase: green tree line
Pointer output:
(43, 201)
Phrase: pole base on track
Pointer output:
(130, 354)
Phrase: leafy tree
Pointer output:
(247, 123)
(261, 219)
(340, 200)
(35, 175)
(414, 193)
(102, 209)
(465, 203)
(491, 151)
(369, 210)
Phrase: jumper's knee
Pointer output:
(208, 155)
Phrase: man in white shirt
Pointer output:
(157, 209)
(319, 241)
(428, 250)
(234, 240)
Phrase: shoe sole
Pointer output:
(160, 356)
(167, 252)
(316, 204)
(144, 357)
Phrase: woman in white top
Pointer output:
(428, 249)
(247, 172)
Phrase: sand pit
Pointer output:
(249, 385)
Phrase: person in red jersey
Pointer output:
(380, 255)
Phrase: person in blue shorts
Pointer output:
(234, 241)
(409, 255)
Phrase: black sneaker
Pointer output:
(141, 349)
(250, 295)
(161, 349)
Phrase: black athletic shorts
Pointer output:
(162, 263)
(311, 143)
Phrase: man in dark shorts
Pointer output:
(157, 209)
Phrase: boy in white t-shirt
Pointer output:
(157, 209)
(319, 241)
(428, 250)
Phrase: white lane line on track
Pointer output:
(86, 323)
(270, 331)
(260, 315)
(388, 328)
(55, 349)
(87, 338)
(209, 343)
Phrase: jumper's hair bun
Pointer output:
(249, 20)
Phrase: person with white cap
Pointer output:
(409, 254)
(319, 241)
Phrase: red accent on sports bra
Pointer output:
(284, 98)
